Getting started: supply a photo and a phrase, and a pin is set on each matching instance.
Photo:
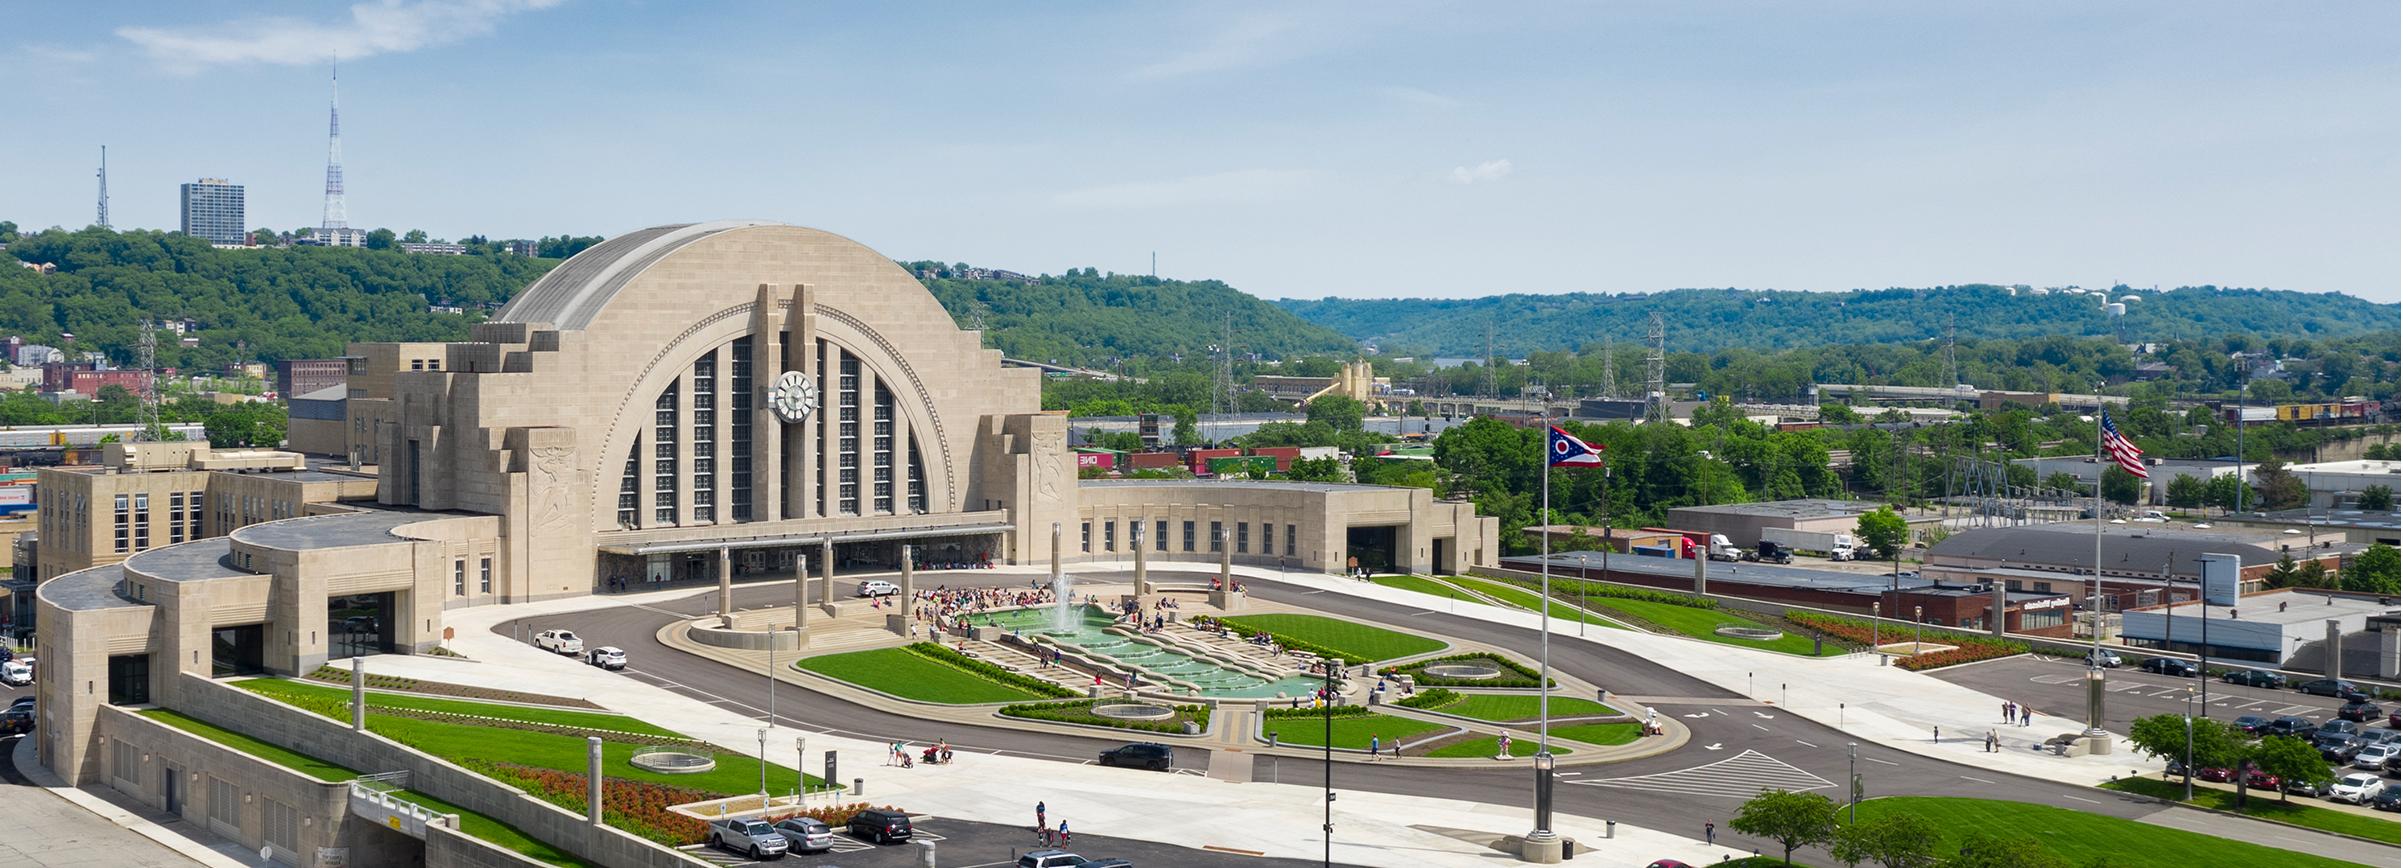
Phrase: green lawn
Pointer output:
(1489, 746)
(908, 675)
(1701, 624)
(1598, 733)
(1504, 707)
(1426, 586)
(470, 822)
(1350, 732)
(2080, 836)
(303, 693)
(1353, 641)
(1528, 600)
(735, 773)
(2299, 812)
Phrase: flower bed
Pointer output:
(832, 815)
(1513, 674)
(1081, 711)
(946, 656)
(1338, 712)
(640, 808)
(1969, 647)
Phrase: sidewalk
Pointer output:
(1274, 819)
(44, 822)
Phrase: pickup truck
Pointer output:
(752, 838)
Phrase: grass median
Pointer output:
(1704, 624)
(1528, 600)
(2081, 837)
(1425, 585)
(1502, 708)
(914, 676)
(474, 824)
(1353, 641)
(305, 694)
(2269, 807)
(1350, 732)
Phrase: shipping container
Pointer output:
(1283, 454)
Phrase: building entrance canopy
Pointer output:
(801, 539)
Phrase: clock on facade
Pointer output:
(793, 397)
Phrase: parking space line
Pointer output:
(1876, 760)
(2082, 799)
(1979, 780)
(1804, 743)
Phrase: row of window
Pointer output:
(279, 823)
(459, 576)
(1217, 538)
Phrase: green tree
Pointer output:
(254, 423)
(2061, 481)
(2376, 498)
(415, 236)
(1188, 427)
(1883, 531)
(2281, 574)
(2223, 490)
(1892, 839)
(2374, 571)
(380, 239)
(2187, 492)
(1791, 819)
(2121, 487)
(2384, 452)
(1988, 850)
(1339, 412)
(2216, 745)
(2279, 487)
(1317, 470)
(2292, 759)
(2313, 574)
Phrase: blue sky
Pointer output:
(1399, 148)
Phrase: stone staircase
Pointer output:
(1025, 662)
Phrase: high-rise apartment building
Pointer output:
(213, 210)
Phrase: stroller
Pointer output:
(935, 754)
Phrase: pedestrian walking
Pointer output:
(1040, 822)
(1063, 833)
(2009, 711)
(1373, 747)
(1935, 734)
(1710, 833)
(2027, 716)
(1504, 743)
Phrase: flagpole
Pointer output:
(1542, 844)
(2094, 664)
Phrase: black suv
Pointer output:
(880, 826)
(1140, 755)
(2295, 726)
(2336, 687)
(2361, 710)
(2254, 678)
(2337, 747)
(2169, 666)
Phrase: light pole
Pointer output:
(763, 767)
(1852, 780)
(1874, 618)
(1327, 716)
(800, 762)
(1916, 647)
(2189, 766)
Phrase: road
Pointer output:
(1738, 747)
(2056, 685)
(963, 844)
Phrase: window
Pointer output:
(738, 404)
(883, 461)
(459, 578)
(1159, 541)
(225, 803)
(124, 533)
(705, 447)
(175, 517)
(917, 480)
(1109, 536)
(1188, 536)
(1087, 530)
(1268, 538)
(663, 455)
(1243, 538)
(629, 487)
(484, 575)
(847, 436)
(126, 759)
(129, 679)
(141, 520)
(1289, 535)
(281, 825)
(1218, 537)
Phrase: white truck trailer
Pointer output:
(1837, 546)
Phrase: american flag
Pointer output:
(2130, 458)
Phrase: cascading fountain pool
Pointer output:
(1086, 630)
(1063, 613)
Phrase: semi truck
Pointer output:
(1837, 546)
(1720, 549)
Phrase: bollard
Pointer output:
(1610, 829)
(859, 786)
(926, 853)
(1272, 739)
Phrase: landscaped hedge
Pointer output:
(945, 655)
(1429, 699)
(1971, 647)
(832, 815)
(1338, 712)
(1575, 587)
(339, 675)
(1081, 711)
(1513, 674)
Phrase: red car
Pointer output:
(2217, 776)
(2261, 780)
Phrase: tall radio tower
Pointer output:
(1610, 369)
(336, 215)
(1656, 380)
(103, 221)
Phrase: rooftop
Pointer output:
(2292, 606)
(2360, 465)
(1277, 484)
(572, 295)
(2139, 547)
(1761, 574)
(2304, 518)
(187, 562)
(365, 527)
(85, 590)
(1801, 508)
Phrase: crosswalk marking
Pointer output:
(1738, 777)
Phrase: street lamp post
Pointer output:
(1327, 716)
(1874, 618)
(2190, 696)
(763, 767)
(1916, 646)
(1852, 780)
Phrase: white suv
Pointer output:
(878, 588)
(559, 642)
(2356, 788)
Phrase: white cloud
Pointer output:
(381, 27)
(1242, 185)
(1490, 170)
(1418, 97)
(1248, 40)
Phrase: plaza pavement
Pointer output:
(1189, 810)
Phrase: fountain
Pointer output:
(1063, 610)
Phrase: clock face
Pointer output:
(793, 397)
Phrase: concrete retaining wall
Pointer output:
(446, 848)
(321, 809)
(745, 640)
(303, 731)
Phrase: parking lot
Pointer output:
(963, 844)
(2056, 686)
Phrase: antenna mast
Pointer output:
(152, 429)
(1656, 371)
(1610, 369)
(336, 210)
(103, 221)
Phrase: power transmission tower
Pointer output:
(337, 214)
(152, 430)
(1610, 370)
(1952, 364)
(1222, 380)
(103, 221)
(1656, 371)
(1491, 391)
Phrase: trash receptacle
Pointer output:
(1192, 728)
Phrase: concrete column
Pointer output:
(1142, 574)
(800, 438)
(900, 622)
(358, 697)
(592, 780)
(1055, 549)
(726, 583)
(801, 593)
(1701, 576)
(1996, 611)
(826, 569)
(1226, 563)
(2333, 663)
(767, 431)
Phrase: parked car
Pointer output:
(2349, 728)
(1140, 755)
(2261, 780)
(2387, 799)
(2301, 787)
(2103, 657)
(2382, 736)
(1051, 859)
(805, 835)
(2336, 687)
(2356, 788)
(879, 825)
(878, 588)
(17, 720)
(22, 701)
(559, 641)
(2337, 747)
(2290, 725)
(2252, 724)
(2374, 756)
(2361, 711)
(2254, 678)
(6, 654)
(753, 838)
(608, 657)
(2169, 666)
(17, 673)
(1667, 863)
(2215, 775)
